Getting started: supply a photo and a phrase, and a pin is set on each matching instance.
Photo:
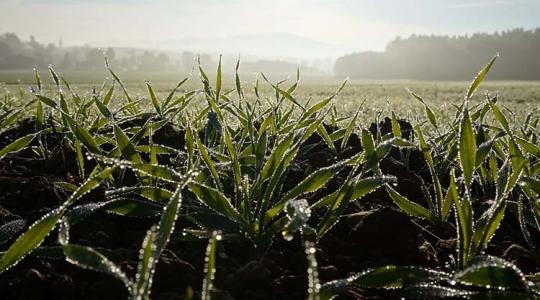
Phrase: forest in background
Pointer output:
(435, 57)
(418, 57)
(19, 54)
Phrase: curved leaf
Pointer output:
(313, 182)
(480, 76)
(486, 226)
(216, 200)
(88, 258)
(31, 239)
(145, 269)
(35, 235)
(17, 145)
(393, 277)
(491, 272)
(409, 207)
(467, 147)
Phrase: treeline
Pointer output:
(434, 57)
(17, 54)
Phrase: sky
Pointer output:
(311, 28)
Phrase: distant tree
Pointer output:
(186, 61)
(162, 61)
(147, 62)
(6, 55)
(93, 60)
(68, 63)
(13, 41)
(19, 54)
(431, 57)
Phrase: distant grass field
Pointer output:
(378, 97)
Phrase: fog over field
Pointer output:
(312, 34)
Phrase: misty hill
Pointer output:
(448, 57)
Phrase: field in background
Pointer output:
(377, 96)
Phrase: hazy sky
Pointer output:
(346, 25)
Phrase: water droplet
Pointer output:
(287, 235)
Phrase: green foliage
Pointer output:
(234, 168)
(485, 276)
(17, 145)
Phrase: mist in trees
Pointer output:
(449, 57)
(423, 57)
(16, 54)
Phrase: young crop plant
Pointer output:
(245, 169)
(473, 149)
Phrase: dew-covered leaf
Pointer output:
(532, 183)
(363, 187)
(487, 224)
(168, 219)
(216, 200)
(147, 262)
(491, 272)
(88, 258)
(17, 145)
(31, 239)
(82, 134)
(409, 207)
(133, 208)
(339, 200)
(153, 97)
(393, 277)
(330, 290)
(80, 212)
(35, 235)
(313, 182)
(10, 229)
(480, 76)
(125, 145)
(467, 147)
(152, 193)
